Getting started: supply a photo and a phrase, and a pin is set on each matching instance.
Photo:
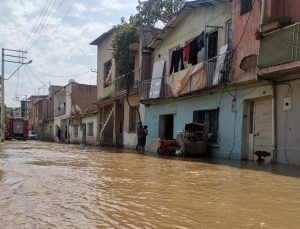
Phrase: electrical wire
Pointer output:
(62, 76)
(29, 79)
(36, 77)
(243, 33)
(41, 16)
(55, 13)
(43, 25)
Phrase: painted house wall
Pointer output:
(90, 140)
(130, 137)
(243, 40)
(192, 26)
(81, 95)
(183, 113)
(59, 98)
(104, 54)
(288, 123)
(280, 8)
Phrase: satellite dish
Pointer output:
(72, 81)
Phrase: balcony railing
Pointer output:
(121, 84)
(206, 75)
(280, 47)
(60, 112)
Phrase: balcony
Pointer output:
(60, 112)
(201, 77)
(279, 52)
(121, 85)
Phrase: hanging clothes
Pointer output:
(177, 61)
(196, 45)
(187, 49)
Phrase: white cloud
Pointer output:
(62, 48)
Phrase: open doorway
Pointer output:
(166, 126)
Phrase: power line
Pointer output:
(44, 23)
(37, 25)
(29, 79)
(62, 76)
(55, 13)
(36, 77)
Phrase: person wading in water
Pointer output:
(141, 134)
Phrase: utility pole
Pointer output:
(10, 56)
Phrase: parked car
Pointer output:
(32, 135)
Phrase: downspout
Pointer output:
(274, 126)
(262, 14)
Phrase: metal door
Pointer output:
(262, 127)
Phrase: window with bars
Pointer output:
(211, 120)
(246, 6)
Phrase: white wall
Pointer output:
(191, 26)
(288, 123)
(90, 140)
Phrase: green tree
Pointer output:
(153, 10)
(148, 13)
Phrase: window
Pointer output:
(211, 119)
(90, 129)
(107, 73)
(229, 34)
(133, 118)
(246, 6)
(212, 45)
(75, 131)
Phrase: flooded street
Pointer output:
(46, 185)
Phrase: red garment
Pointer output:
(187, 49)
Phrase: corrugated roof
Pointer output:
(103, 36)
(187, 7)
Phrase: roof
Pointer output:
(103, 36)
(180, 15)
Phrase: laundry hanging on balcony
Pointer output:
(196, 45)
(177, 61)
(188, 80)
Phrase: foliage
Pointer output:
(153, 10)
(125, 35)
(148, 13)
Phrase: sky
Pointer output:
(56, 35)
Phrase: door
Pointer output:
(260, 130)
(166, 127)
(83, 133)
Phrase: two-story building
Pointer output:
(119, 107)
(279, 65)
(71, 103)
(192, 76)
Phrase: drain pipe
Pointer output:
(262, 14)
(274, 135)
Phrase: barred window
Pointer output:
(211, 120)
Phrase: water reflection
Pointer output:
(52, 185)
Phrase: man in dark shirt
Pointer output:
(141, 134)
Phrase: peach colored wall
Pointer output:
(244, 39)
(288, 8)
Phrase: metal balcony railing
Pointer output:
(280, 47)
(214, 72)
(60, 112)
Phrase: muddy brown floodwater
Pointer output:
(46, 185)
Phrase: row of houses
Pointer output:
(233, 65)
(70, 108)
